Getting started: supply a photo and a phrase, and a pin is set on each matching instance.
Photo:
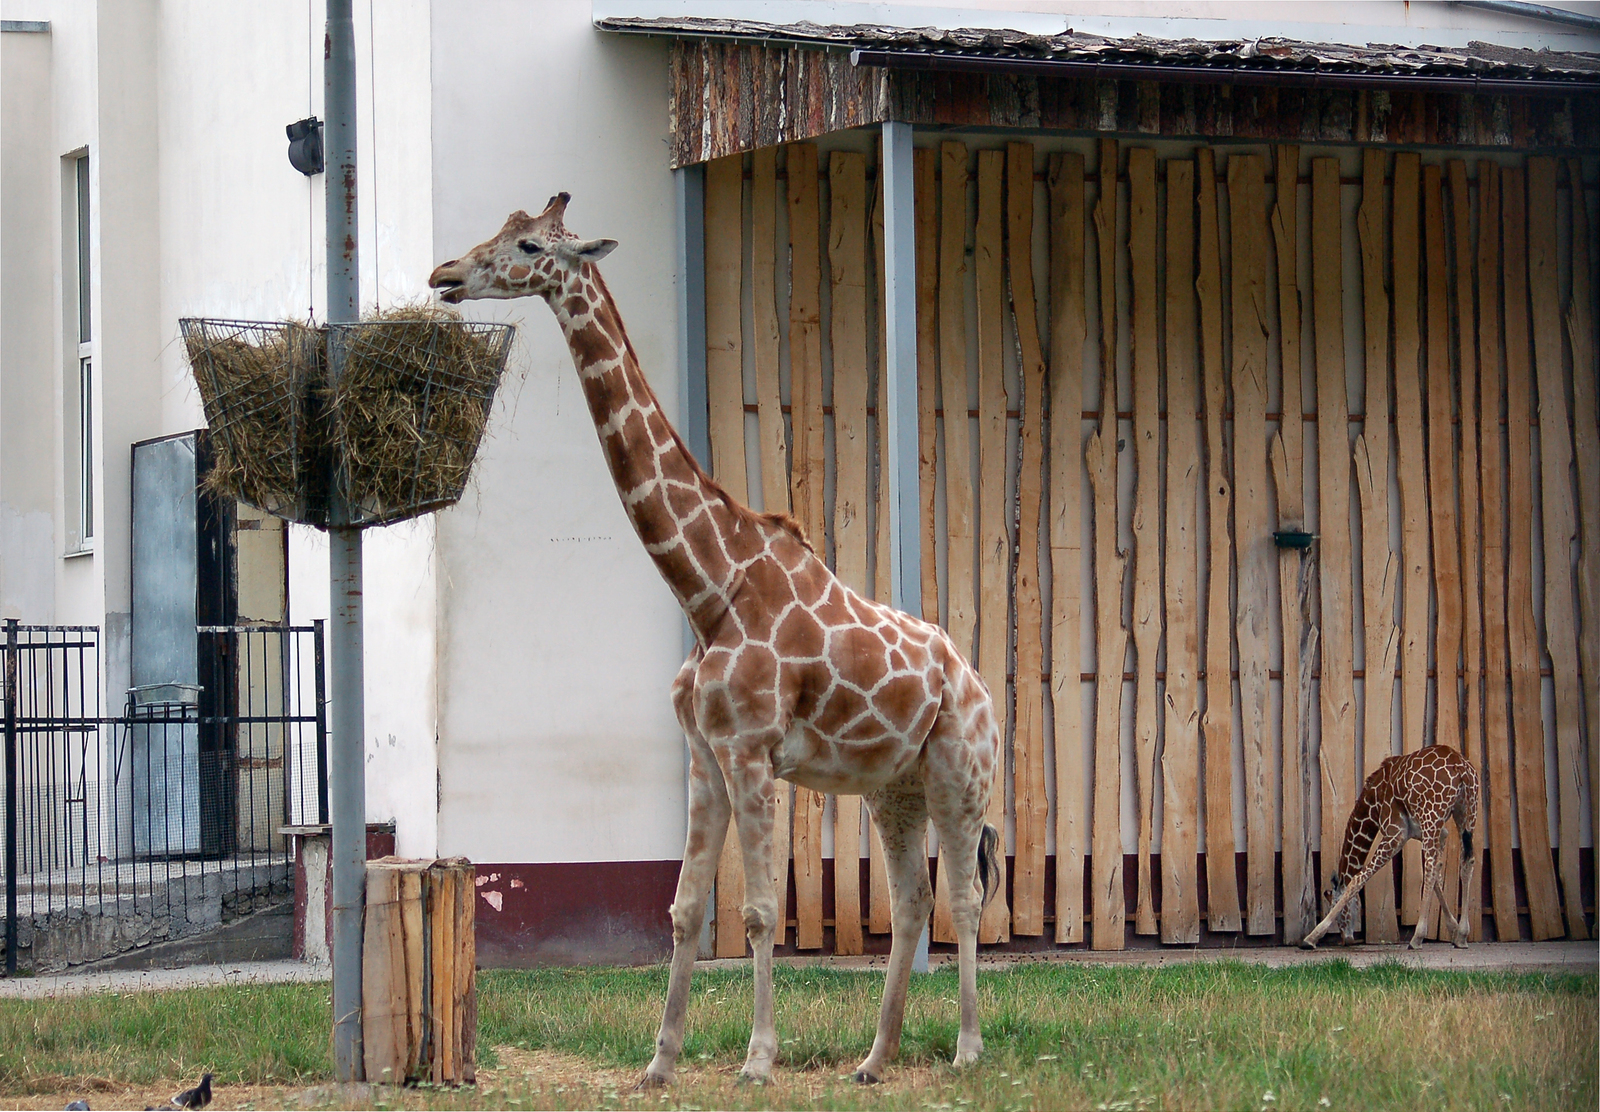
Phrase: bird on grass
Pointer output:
(197, 1097)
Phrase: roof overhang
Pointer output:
(739, 84)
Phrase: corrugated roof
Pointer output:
(1477, 59)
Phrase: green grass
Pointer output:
(1207, 1035)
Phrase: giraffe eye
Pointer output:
(529, 247)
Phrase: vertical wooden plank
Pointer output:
(1496, 686)
(774, 444)
(1333, 467)
(1180, 754)
(1560, 523)
(878, 903)
(1471, 540)
(847, 262)
(1294, 566)
(994, 508)
(960, 582)
(724, 226)
(412, 933)
(764, 335)
(1544, 908)
(1380, 570)
(1411, 472)
(1443, 498)
(1216, 722)
(1068, 332)
(466, 965)
(383, 1023)
(1145, 552)
(1109, 909)
(1032, 807)
(1585, 385)
(925, 174)
(1252, 532)
(806, 468)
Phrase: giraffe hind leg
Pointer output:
(1432, 888)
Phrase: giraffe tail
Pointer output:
(988, 864)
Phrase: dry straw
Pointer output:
(403, 424)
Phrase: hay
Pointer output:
(260, 387)
(411, 406)
(404, 423)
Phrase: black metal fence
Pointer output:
(165, 820)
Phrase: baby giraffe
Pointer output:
(1409, 796)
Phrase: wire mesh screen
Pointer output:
(262, 385)
(167, 819)
(410, 408)
(399, 432)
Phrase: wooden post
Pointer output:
(774, 443)
(1585, 406)
(1216, 722)
(806, 468)
(1333, 450)
(1145, 551)
(878, 902)
(1180, 902)
(1380, 570)
(1032, 810)
(1471, 540)
(1497, 691)
(994, 507)
(925, 171)
(1254, 549)
(725, 397)
(1411, 473)
(383, 986)
(847, 219)
(1288, 470)
(1109, 906)
(960, 582)
(1560, 524)
(1544, 908)
(1068, 332)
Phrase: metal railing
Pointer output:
(166, 819)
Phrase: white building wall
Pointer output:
(558, 639)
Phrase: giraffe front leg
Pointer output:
(1390, 841)
(902, 818)
(708, 826)
(752, 791)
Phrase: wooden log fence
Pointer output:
(1133, 370)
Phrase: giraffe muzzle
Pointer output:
(445, 279)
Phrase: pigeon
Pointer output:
(197, 1097)
(78, 1106)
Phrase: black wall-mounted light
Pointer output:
(1293, 538)
(305, 145)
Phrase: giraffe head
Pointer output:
(530, 256)
(1347, 917)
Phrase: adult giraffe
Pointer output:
(793, 675)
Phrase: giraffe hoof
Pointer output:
(1307, 944)
(862, 1077)
(651, 1081)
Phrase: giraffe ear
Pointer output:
(593, 250)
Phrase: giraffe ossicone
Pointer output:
(793, 675)
(1411, 795)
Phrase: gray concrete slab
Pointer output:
(1521, 957)
(155, 980)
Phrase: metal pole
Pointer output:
(11, 796)
(347, 787)
(900, 382)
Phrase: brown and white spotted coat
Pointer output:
(793, 675)
(1408, 796)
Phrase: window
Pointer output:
(79, 394)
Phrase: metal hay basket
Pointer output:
(398, 434)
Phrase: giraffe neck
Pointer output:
(688, 523)
(1359, 834)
